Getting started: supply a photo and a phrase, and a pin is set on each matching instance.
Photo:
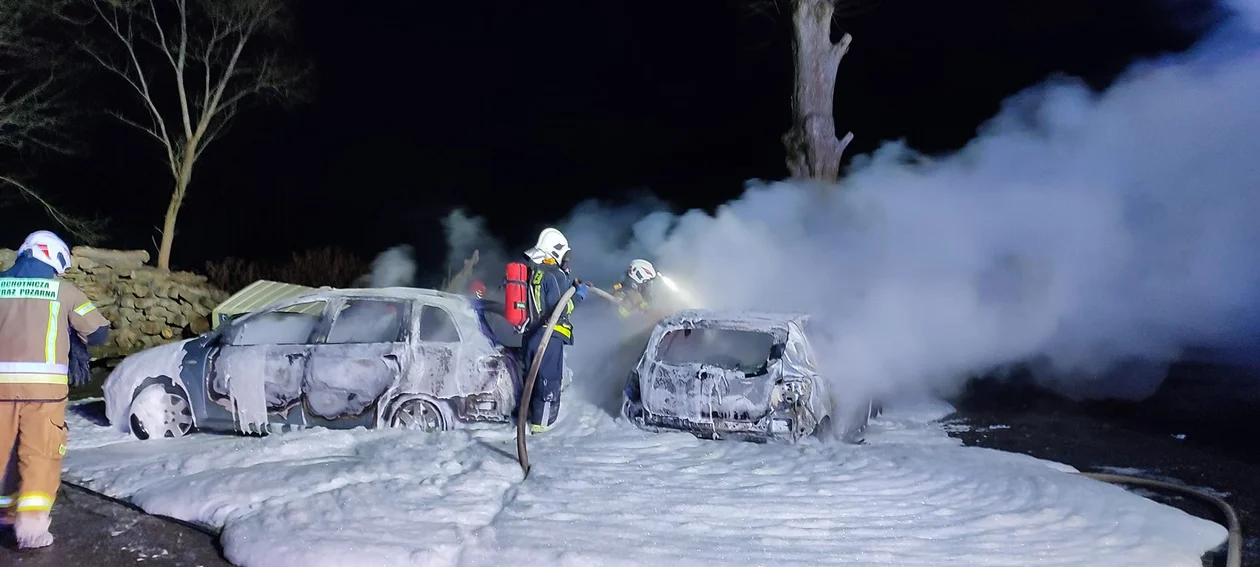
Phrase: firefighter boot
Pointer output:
(31, 530)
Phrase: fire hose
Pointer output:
(522, 413)
(1233, 557)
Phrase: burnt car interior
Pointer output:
(279, 327)
(437, 326)
(367, 322)
(749, 352)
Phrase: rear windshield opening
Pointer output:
(743, 351)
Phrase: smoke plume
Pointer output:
(395, 267)
(1079, 229)
(467, 234)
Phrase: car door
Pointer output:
(356, 361)
(257, 373)
(438, 353)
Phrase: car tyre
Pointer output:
(418, 415)
(853, 431)
(824, 428)
(160, 409)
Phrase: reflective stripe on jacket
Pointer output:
(546, 285)
(36, 317)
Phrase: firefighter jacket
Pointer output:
(632, 297)
(547, 282)
(37, 315)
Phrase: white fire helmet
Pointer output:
(553, 243)
(641, 271)
(48, 248)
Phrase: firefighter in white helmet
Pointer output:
(548, 279)
(634, 291)
(38, 313)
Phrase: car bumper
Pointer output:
(774, 427)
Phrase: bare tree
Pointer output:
(813, 150)
(32, 107)
(213, 56)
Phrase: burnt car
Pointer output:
(334, 358)
(736, 375)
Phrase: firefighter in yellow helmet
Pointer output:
(39, 312)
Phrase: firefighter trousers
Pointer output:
(544, 402)
(33, 438)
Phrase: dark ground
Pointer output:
(94, 531)
(1216, 452)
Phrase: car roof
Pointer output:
(735, 318)
(458, 304)
(383, 292)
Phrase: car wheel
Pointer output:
(857, 424)
(160, 410)
(823, 429)
(418, 415)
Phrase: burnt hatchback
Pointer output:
(735, 375)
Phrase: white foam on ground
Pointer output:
(604, 493)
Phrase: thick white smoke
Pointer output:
(395, 267)
(467, 234)
(1078, 228)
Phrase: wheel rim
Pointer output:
(175, 415)
(418, 416)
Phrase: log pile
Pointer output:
(145, 306)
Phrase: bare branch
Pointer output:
(34, 78)
(841, 48)
(179, 61)
(208, 114)
(161, 42)
(86, 230)
(139, 83)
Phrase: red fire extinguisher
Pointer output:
(515, 295)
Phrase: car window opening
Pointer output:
(437, 326)
(286, 326)
(367, 322)
(748, 352)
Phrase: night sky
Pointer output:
(519, 110)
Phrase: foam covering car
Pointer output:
(335, 358)
(737, 375)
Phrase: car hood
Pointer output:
(119, 388)
(700, 392)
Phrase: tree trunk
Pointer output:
(813, 151)
(182, 180)
(168, 225)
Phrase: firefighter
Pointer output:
(634, 292)
(38, 313)
(548, 280)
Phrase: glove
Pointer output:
(581, 290)
(80, 367)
